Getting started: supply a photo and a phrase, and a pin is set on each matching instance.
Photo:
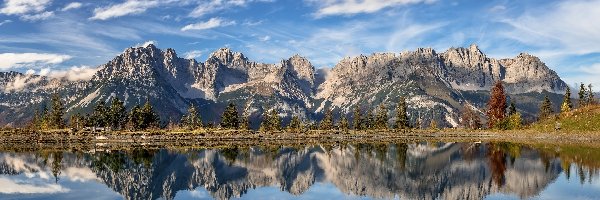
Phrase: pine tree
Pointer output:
(582, 95)
(35, 122)
(545, 108)
(401, 115)
(265, 125)
(566, 105)
(512, 109)
(192, 120)
(496, 105)
(135, 119)
(327, 122)
(55, 117)
(150, 119)
(369, 121)
(274, 121)
(294, 125)
(117, 114)
(99, 115)
(469, 118)
(344, 124)
(229, 119)
(590, 96)
(357, 119)
(433, 124)
(245, 122)
(77, 122)
(381, 121)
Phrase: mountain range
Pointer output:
(436, 85)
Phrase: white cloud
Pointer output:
(145, 44)
(38, 16)
(265, 38)
(211, 23)
(72, 5)
(19, 7)
(5, 22)
(73, 74)
(194, 54)
(570, 27)
(20, 82)
(16, 60)
(10, 186)
(350, 7)
(129, 7)
(213, 6)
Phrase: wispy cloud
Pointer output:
(16, 60)
(213, 6)
(194, 54)
(129, 7)
(71, 6)
(75, 73)
(38, 16)
(350, 7)
(211, 23)
(28, 10)
(5, 22)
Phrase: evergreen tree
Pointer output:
(545, 108)
(135, 119)
(192, 120)
(77, 122)
(230, 120)
(566, 105)
(381, 121)
(496, 105)
(344, 124)
(44, 123)
(582, 95)
(433, 124)
(150, 119)
(274, 121)
(470, 119)
(265, 125)
(327, 122)
(99, 115)
(512, 109)
(357, 119)
(369, 121)
(55, 117)
(36, 120)
(245, 122)
(117, 114)
(294, 125)
(590, 96)
(401, 115)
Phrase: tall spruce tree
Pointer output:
(265, 125)
(381, 120)
(402, 121)
(150, 118)
(135, 119)
(357, 119)
(274, 120)
(77, 122)
(117, 114)
(99, 115)
(294, 125)
(369, 121)
(192, 119)
(590, 96)
(566, 105)
(344, 124)
(582, 95)
(229, 119)
(55, 117)
(496, 105)
(545, 108)
(327, 121)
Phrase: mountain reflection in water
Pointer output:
(405, 171)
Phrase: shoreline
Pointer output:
(226, 138)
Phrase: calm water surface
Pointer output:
(348, 171)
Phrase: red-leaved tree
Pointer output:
(496, 105)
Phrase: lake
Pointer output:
(420, 170)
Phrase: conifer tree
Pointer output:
(512, 109)
(77, 122)
(55, 117)
(566, 105)
(135, 119)
(401, 115)
(192, 120)
(150, 118)
(265, 125)
(99, 115)
(245, 122)
(294, 125)
(35, 122)
(381, 121)
(433, 124)
(369, 121)
(545, 108)
(230, 120)
(582, 95)
(327, 122)
(274, 121)
(357, 119)
(590, 96)
(496, 105)
(344, 124)
(117, 114)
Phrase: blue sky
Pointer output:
(60, 37)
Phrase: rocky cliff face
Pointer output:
(435, 84)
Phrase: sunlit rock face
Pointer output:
(412, 171)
